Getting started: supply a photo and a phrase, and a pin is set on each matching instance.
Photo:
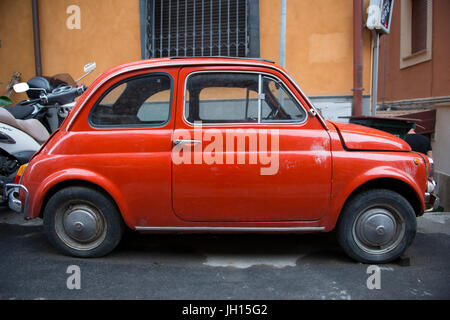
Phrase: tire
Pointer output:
(83, 222)
(376, 226)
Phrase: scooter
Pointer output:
(26, 126)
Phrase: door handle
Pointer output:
(176, 142)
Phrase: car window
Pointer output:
(138, 101)
(278, 104)
(222, 98)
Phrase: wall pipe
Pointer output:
(37, 38)
(358, 89)
(283, 34)
(376, 53)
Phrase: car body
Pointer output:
(194, 157)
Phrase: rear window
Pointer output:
(135, 102)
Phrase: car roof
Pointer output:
(185, 62)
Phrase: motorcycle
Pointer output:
(27, 125)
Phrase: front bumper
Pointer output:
(12, 193)
(432, 201)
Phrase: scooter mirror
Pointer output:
(91, 66)
(88, 69)
(21, 87)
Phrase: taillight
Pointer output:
(20, 173)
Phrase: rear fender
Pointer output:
(65, 178)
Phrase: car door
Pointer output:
(245, 149)
(129, 136)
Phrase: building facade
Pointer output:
(314, 40)
(414, 76)
(317, 51)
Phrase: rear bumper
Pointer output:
(12, 193)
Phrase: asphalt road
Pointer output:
(220, 267)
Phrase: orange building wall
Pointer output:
(109, 35)
(319, 40)
(319, 44)
(16, 36)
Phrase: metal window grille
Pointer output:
(193, 28)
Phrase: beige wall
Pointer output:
(16, 36)
(319, 44)
(109, 35)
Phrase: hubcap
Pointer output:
(378, 230)
(80, 226)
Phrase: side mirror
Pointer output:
(90, 67)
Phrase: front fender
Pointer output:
(385, 172)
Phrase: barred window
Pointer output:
(193, 28)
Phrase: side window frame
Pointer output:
(261, 76)
(133, 126)
(290, 95)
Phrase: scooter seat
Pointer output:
(20, 112)
(31, 126)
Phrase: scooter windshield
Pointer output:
(65, 77)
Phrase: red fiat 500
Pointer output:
(219, 145)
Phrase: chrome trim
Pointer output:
(431, 171)
(431, 186)
(432, 200)
(229, 229)
(14, 203)
(260, 98)
(165, 63)
(260, 122)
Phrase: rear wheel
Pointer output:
(83, 222)
(376, 226)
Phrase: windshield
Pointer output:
(65, 77)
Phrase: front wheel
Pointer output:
(376, 226)
(83, 222)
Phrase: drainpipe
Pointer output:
(37, 38)
(376, 53)
(283, 34)
(357, 58)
